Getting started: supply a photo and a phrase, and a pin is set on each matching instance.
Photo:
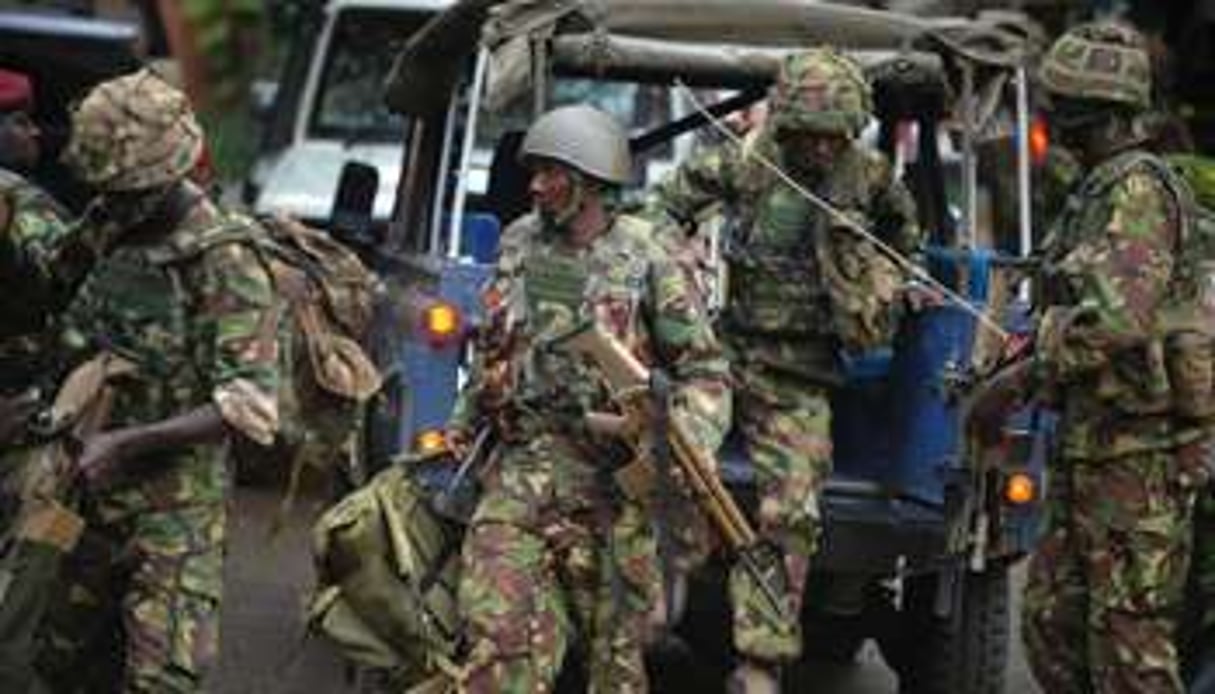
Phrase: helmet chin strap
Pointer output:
(803, 169)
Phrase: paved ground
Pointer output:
(264, 650)
(263, 647)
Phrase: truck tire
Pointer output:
(964, 653)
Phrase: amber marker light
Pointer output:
(441, 322)
(1039, 141)
(430, 442)
(1019, 489)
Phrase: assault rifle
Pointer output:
(632, 385)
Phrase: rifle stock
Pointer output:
(627, 377)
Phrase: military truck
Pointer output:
(920, 531)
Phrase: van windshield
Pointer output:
(349, 101)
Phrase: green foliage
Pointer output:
(229, 35)
(232, 140)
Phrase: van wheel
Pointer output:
(965, 652)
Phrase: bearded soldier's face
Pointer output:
(810, 152)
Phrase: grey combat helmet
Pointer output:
(584, 138)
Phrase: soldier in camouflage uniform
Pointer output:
(1105, 584)
(800, 289)
(139, 611)
(554, 549)
(36, 282)
(42, 259)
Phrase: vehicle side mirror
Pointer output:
(350, 220)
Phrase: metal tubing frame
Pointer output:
(470, 140)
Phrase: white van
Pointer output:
(331, 110)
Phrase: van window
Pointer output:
(350, 99)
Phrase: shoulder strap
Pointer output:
(1176, 186)
(183, 245)
(1182, 194)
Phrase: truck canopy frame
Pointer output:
(718, 43)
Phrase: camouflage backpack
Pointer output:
(1190, 347)
(1178, 375)
(329, 296)
(387, 572)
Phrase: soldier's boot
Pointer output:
(754, 677)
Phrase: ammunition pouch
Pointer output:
(1172, 376)
(862, 286)
(1189, 358)
(387, 573)
(1136, 382)
(843, 288)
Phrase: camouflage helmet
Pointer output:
(583, 137)
(821, 91)
(1100, 61)
(133, 133)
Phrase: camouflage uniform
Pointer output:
(1105, 582)
(786, 308)
(37, 279)
(141, 594)
(1199, 615)
(554, 549)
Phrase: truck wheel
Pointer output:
(964, 653)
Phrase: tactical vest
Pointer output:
(562, 291)
(776, 286)
(799, 276)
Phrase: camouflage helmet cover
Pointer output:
(133, 133)
(1100, 61)
(821, 91)
(584, 138)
